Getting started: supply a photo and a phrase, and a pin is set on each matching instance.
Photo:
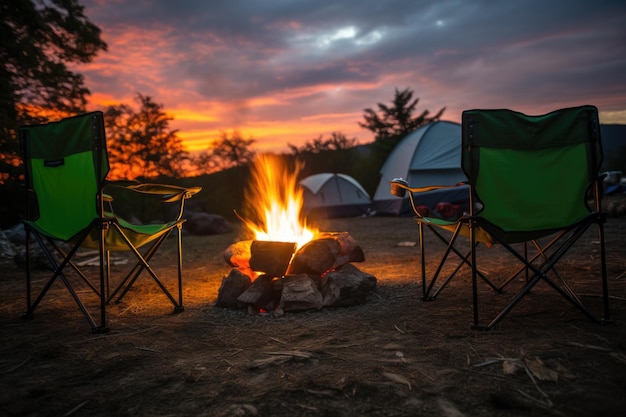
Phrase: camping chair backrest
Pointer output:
(66, 164)
(531, 174)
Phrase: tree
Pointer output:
(336, 142)
(141, 144)
(227, 151)
(392, 123)
(39, 39)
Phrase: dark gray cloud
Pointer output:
(531, 55)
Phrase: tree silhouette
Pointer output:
(39, 39)
(225, 152)
(336, 142)
(392, 123)
(141, 144)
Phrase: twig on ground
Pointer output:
(147, 349)
(594, 347)
(398, 329)
(13, 368)
(75, 409)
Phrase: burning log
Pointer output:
(349, 249)
(326, 252)
(316, 257)
(238, 256)
(271, 258)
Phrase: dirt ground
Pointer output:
(394, 355)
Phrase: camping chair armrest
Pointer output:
(109, 185)
(170, 193)
(399, 187)
(430, 188)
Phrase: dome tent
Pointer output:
(430, 155)
(334, 195)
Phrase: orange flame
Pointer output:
(275, 200)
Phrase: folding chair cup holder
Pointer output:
(66, 165)
(515, 165)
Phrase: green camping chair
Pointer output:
(531, 178)
(66, 165)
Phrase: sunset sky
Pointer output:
(288, 71)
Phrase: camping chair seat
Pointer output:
(66, 165)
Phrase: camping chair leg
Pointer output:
(81, 306)
(179, 308)
(542, 276)
(565, 290)
(142, 262)
(477, 325)
(564, 283)
(541, 251)
(513, 303)
(134, 273)
(526, 271)
(70, 263)
(463, 261)
(605, 288)
(103, 255)
(449, 248)
(445, 283)
(472, 225)
(523, 268)
(32, 305)
(423, 255)
(108, 273)
(58, 273)
(540, 273)
(141, 265)
(29, 310)
(102, 328)
(525, 290)
(548, 264)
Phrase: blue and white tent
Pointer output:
(334, 195)
(430, 155)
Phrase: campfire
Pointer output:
(287, 264)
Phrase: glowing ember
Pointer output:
(274, 199)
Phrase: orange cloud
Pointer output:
(274, 135)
